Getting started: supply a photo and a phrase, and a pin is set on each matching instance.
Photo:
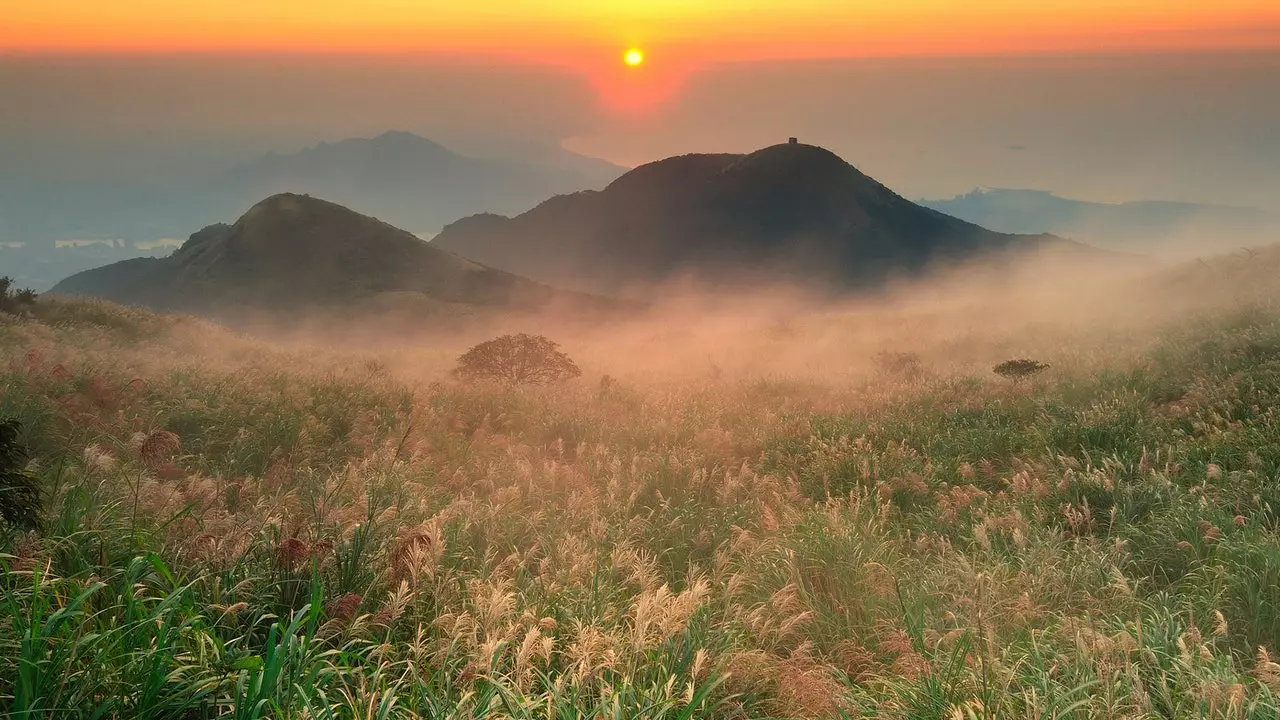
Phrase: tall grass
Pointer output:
(236, 530)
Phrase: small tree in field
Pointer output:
(517, 360)
(1019, 369)
(13, 301)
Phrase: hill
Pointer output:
(1138, 225)
(789, 211)
(292, 252)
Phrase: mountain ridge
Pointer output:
(792, 211)
(409, 180)
(1133, 224)
(292, 252)
(414, 182)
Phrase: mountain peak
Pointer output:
(405, 139)
(285, 202)
(795, 153)
(799, 161)
(295, 204)
(402, 135)
(286, 223)
(792, 211)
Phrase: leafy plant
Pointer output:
(517, 360)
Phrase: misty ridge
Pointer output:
(1161, 228)
(791, 214)
(421, 186)
(402, 178)
(786, 262)
(405, 179)
(688, 263)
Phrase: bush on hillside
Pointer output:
(13, 300)
(517, 360)
(1019, 368)
(19, 496)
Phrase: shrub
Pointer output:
(517, 360)
(14, 301)
(19, 496)
(1019, 368)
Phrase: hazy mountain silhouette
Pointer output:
(399, 177)
(415, 183)
(791, 211)
(294, 252)
(1130, 225)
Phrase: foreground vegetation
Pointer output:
(236, 530)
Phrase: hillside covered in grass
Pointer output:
(840, 513)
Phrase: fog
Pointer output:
(1080, 313)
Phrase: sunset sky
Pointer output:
(573, 29)
(1103, 99)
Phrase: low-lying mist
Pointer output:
(1093, 309)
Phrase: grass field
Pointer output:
(785, 529)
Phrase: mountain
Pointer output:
(1136, 225)
(794, 211)
(291, 253)
(399, 177)
(413, 182)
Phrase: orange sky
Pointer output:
(589, 36)
(558, 29)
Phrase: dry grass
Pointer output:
(755, 520)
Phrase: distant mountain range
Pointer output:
(292, 253)
(1139, 226)
(399, 177)
(413, 182)
(790, 212)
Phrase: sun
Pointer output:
(633, 57)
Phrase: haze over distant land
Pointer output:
(123, 124)
(1154, 226)
(791, 215)
(398, 176)
(1184, 127)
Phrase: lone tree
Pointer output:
(517, 360)
(1019, 369)
(13, 301)
(19, 495)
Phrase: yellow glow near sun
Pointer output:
(633, 57)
